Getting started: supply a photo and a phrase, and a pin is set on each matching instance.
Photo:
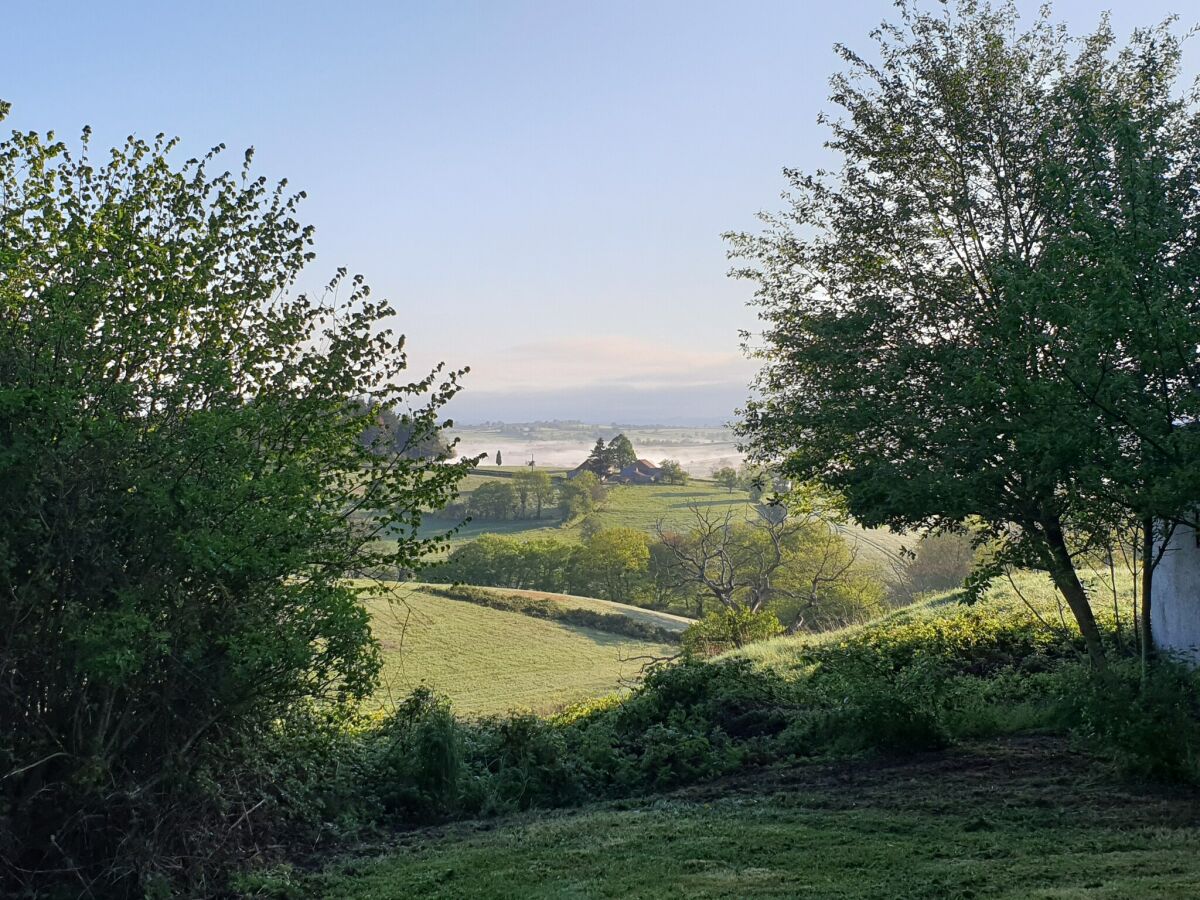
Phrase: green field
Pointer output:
(641, 507)
(1017, 818)
(492, 661)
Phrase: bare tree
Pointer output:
(798, 562)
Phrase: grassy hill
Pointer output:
(492, 661)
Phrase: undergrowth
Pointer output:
(915, 681)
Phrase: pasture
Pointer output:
(491, 661)
(640, 507)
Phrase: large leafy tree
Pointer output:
(620, 452)
(183, 493)
(989, 310)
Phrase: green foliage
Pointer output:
(533, 488)
(494, 501)
(578, 496)
(728, 478)
(620, 453)
(672, 472)
(1150, 726)
(183, 488)
(1009, 819)
(979, 312)
(942, 561)
(729, 628)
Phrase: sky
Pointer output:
(540, 188)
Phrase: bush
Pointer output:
(1149, 726)
(727, 629)
(179, 455)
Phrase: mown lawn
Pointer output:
(1021, 818)
(491, 661)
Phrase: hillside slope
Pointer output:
(491, 661)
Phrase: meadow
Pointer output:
(491, 661)
(641, 507)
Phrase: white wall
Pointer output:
(1175, 611)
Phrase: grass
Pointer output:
(640, 507)
(1018, 818)
(490, 661)
(1030, 597)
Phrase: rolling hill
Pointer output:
(492, 661)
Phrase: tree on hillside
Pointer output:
(544, 490)
(578, 496)
(798, 567)
(673, 472)
(620, 453)
(615, 557)
(388, 432)
(534, 487)
(990, 310)
(523, 490)
(727, 477)
(598, 461)
(494, 501)
(183, 496)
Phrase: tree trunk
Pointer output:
(1062, 571)
(1147, 596)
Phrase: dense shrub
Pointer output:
(729, 628)
(1149, 726)
(183, 491)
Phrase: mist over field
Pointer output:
(699, 450)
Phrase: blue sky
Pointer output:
(539, 187)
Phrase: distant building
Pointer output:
(641, 471)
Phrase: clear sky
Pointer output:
(539, 187)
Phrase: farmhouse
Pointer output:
(640, 471)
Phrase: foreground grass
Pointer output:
(491, 661)
(1022, 818)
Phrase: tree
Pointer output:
(183, 494)
(578, 496)
(388, 432)
(523, 489)
(798, 567)
(673, 472)
(598, 461)
(970, 317)
(493, 500)
(615, 558)
(728, 478)
(544, 490)
(620, 453)
(499, 459)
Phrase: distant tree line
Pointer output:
(806, 573)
